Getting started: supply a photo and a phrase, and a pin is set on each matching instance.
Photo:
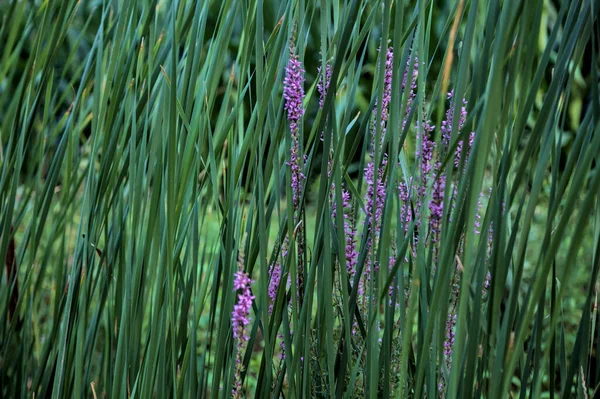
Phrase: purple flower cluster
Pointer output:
(241, 311)
(424, 155)
(293, 93)
(451, 323)
(448, 348)
(350, 234)
(413, 86)
(436, 208)
(240, 318)
(323, 84)
(486, 283)
(447, 128)
(323, 87)
(275, 273)
(447, 123)
(421, 192)
(293, 90)
(376, 186)
(429, 160)
(374, 174)
(450, 334)
(405, 211)
(387, 88)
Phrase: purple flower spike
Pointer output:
(447, 128)
(275, 273)
(486, 283)
(405, 211)
(293, 93)
(449, 342)
(323, 84)
(436, 207)
(413, 85)
(293, 90)
(374, 174)
(427, 166)
(383, 112)
(350, 234)
(240, 318)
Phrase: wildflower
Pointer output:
(349, 230)
(424, 154)
(405, 211)
(350, 234)
(275, 273)
(375, 194)
(387, 86)
(323, 84)
(486, 283)
(413, 86)
(426, 151)
(447, 123)
(449, 341)
(447, 128)
(450, 329)
(448, 347)
(240, 318)
(451, 320)
(374, 175)
(323, 87)
(436, 207)
(293, 93)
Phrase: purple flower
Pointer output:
(323, 84)
(450, 329)
(323, 87)
(350, 235)
(486, 283)
(241, 310)
(424, 155)
(293, 93)
(374, 174)
(436, 207)
(449, 341)
(351, 253)
(387, 86)
(451, 321)
(349, 231)
(447, 128)
(293, 90)
(427, 147)
(448, 347)
(275, 273)
(383, 111)
(240, 318)
(375, 193)
(405, 211)
(413, 86)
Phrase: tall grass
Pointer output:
(154, 159)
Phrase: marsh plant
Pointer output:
(299, 199)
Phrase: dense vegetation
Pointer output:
(263, 198)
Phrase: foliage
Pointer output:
(284, 199)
